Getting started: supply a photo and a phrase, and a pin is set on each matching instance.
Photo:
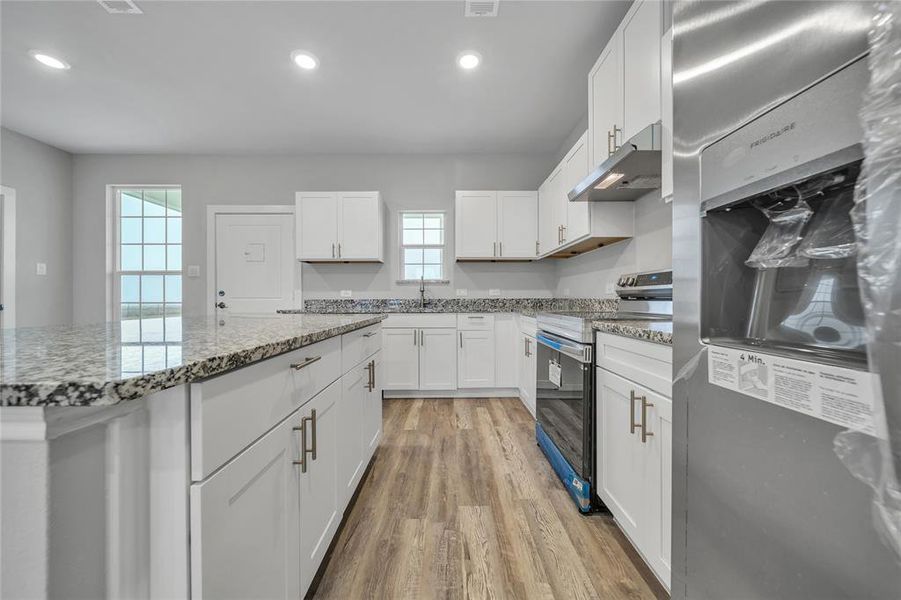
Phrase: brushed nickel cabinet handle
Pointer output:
(500, 248)
(307, 362)
(333, 250)
(537, 246)
(632, 423)
(616, 130)
(371, 375)
(645, 434)
(339, 250)
(303, 444)
(421, 337)
(563, 233)
(313, 420)
(461, 339)
(415, 335)
(370, 334)
(494, 248)
(369, 378)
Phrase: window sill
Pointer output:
(426, 281)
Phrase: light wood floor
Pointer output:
(461, 503)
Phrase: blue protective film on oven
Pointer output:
(578, 488)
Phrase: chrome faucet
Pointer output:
(422, 292)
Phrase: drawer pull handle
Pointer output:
(313, 419)
(369, 383)
(476, 317)
(645, 434)
(303, 444)
(632, 424)
(307, 362)
(370, 334)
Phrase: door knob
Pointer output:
(221, 305)
(221, 293)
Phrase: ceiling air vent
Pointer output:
(120, 7)
(481, 8)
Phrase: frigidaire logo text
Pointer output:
(773, 135)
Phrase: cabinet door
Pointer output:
(666, 114)
(505, 346)
(642, 29)
(549, 212)
(372, 408)
(244, 523)
(517, 217)
(578, 217)
(438, 359)
(475, 359)
(475, 224)
(319, 511)
(354, 392)
(527, 371)
(317, 225)
(400, 358)
(621, 461)
(605, 101)
(361, 226)
(659, 490)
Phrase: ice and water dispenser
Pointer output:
(779, 258)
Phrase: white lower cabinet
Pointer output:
(475, 359)
(245, 533)
(401, 358)
(437, 359)
(527, 371)
(354, 389)
(372, 407)
(506, 365)
(634, 448)
(320, 505)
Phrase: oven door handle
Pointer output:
(580, 352)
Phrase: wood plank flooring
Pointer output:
(461, 503)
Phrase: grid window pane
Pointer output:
(155, 258)
(431, 271)
(152, 288)
(130, 203)
(173, 326)
(173, 356)
(413, 221)
(130, 311)
(131, 330)
(173, 202)
(412, 271)
(433, 237)
(130, 288)
(173, 231)
(412, 256)
(154, 203)
(154, 358)
(173, 288)
(130, 230)
(433, 222)
(173, 258)
(154, 231)
(432, 256)
(131, 258)
(412, 236)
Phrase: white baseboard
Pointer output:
(474, 393)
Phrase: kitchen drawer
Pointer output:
(418, 320)
(475, 322)
(645, 363)
(357, 346)
(232, 410)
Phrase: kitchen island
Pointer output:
(120, 458)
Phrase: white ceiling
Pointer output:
(216, 77)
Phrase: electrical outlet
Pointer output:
(609, 289)
(462, 292)
(193, 270)
(494, 292)
(346, 293)
(41, 269)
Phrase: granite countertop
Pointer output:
(105, 363)
(525, 306)
(660, 332)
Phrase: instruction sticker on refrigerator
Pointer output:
(841, 396)
(553, 373)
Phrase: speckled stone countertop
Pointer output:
(97, 365)
(660, 332)
(526, 306)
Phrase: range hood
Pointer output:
(629, 173)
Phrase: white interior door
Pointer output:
(254, 262)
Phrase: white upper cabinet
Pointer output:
(517, 224)
(575, 168)
(642, 30)
(496, 225)
(549, 212)
(476, 224)
(605, 102)
(624, 84)
(339, 226)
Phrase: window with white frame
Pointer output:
(148, 277)
(422, 245)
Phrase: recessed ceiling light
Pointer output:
(49, 61)
(469, 60)
(304, 59)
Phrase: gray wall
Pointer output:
(42, 178)
(406, 181)
(594, 273)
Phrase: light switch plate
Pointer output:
(462, 292)
(41, 269)
(346, 294)
(193, 270)
(494, 292)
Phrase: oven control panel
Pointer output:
(647, 284)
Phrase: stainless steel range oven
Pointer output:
(565, 395)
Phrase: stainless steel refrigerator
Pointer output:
(770, 356)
